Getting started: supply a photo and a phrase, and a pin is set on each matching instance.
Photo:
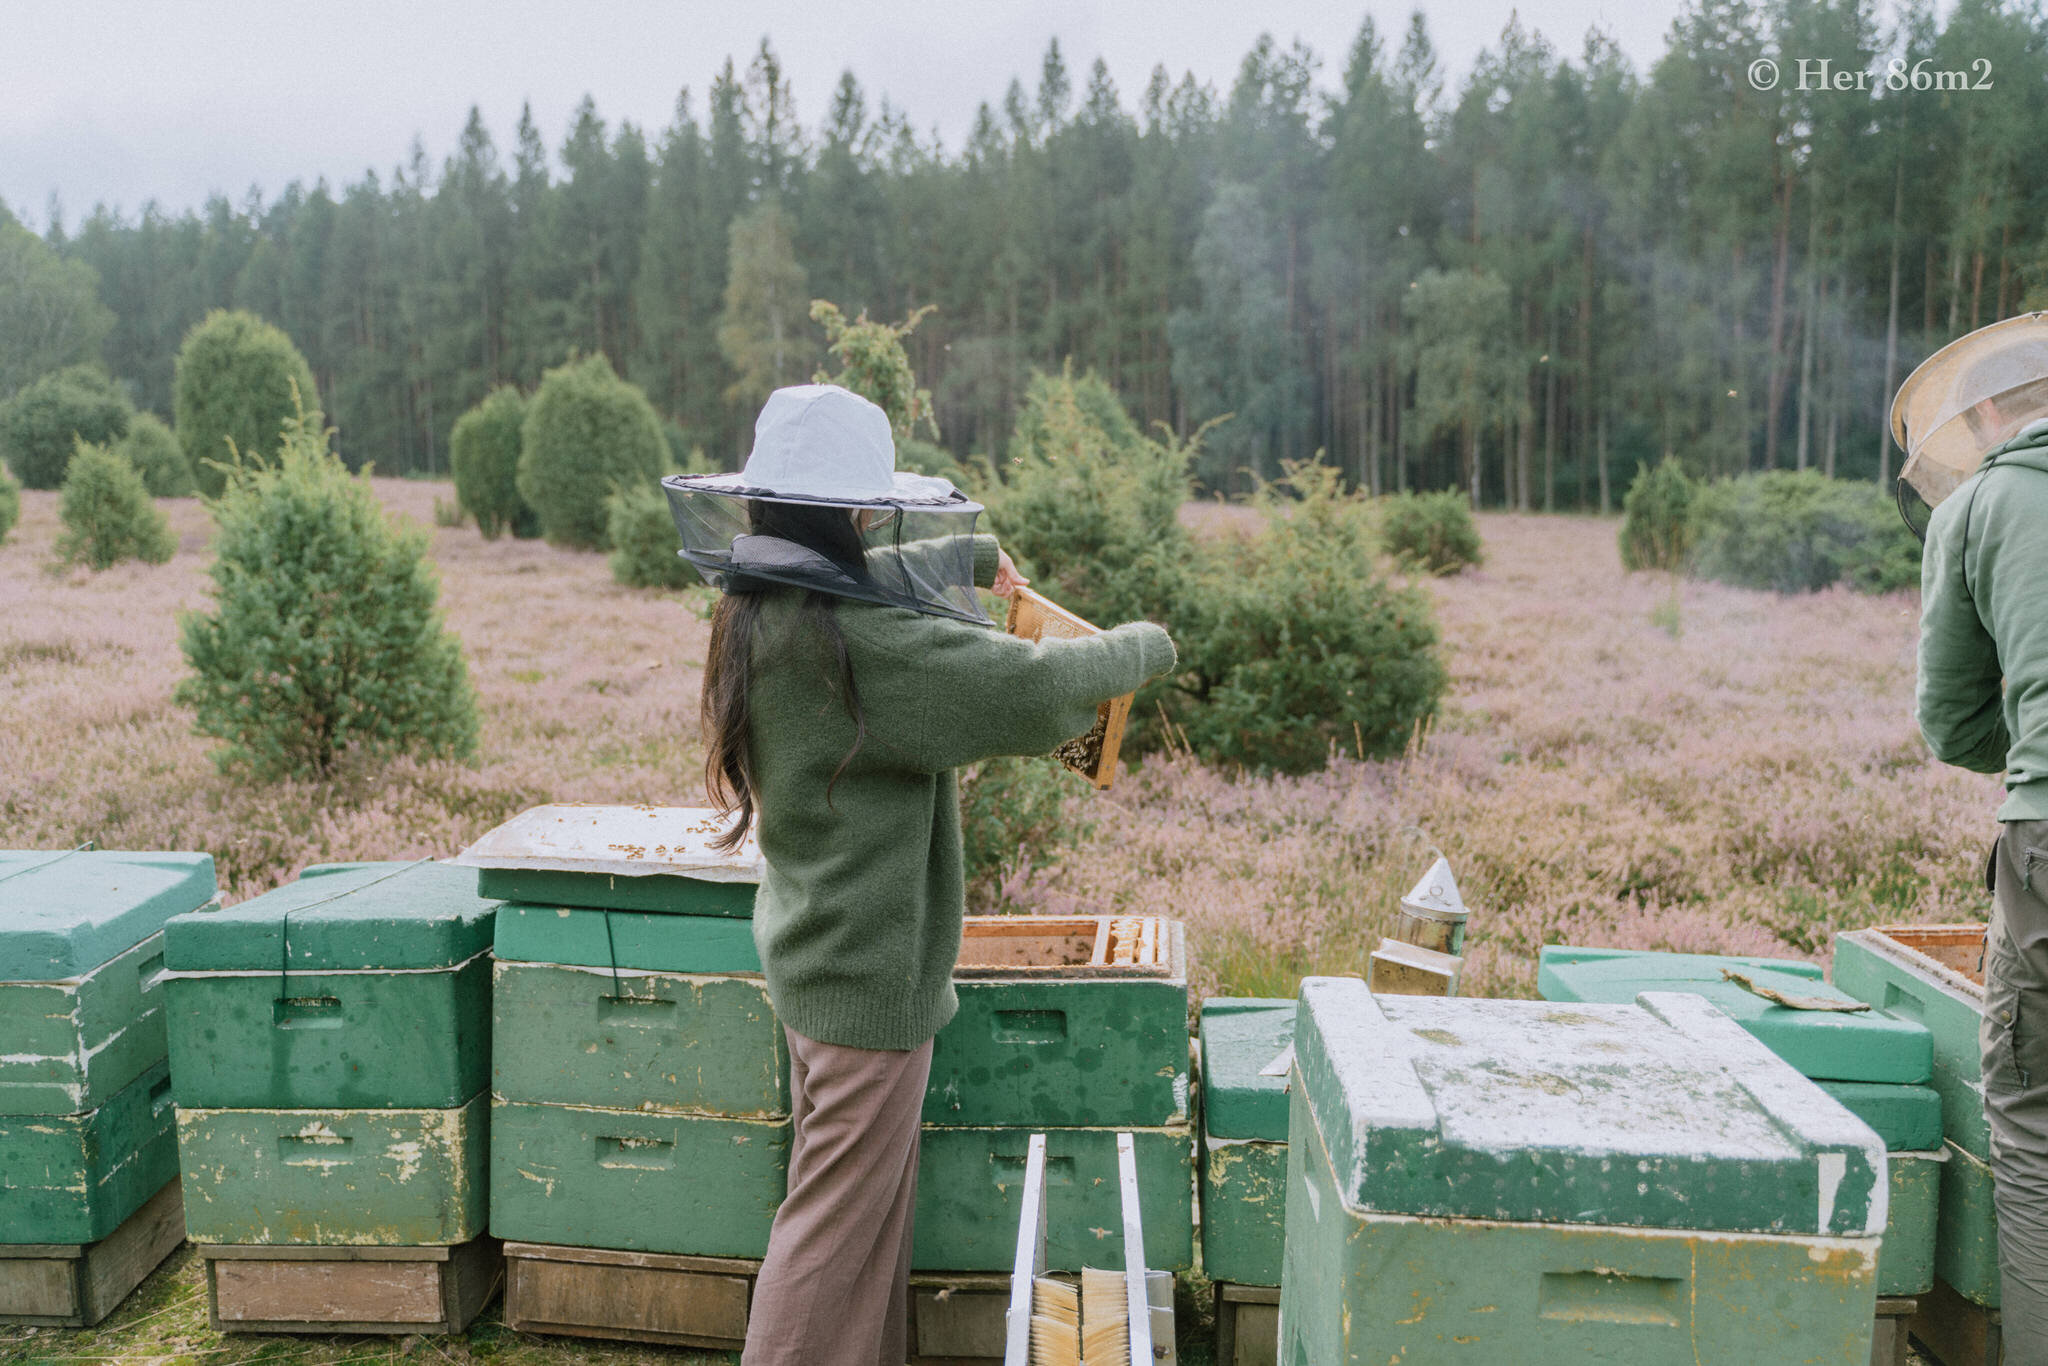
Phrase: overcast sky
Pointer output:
(124, 101)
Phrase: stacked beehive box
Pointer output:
(330, 1045)
(1934, 975)
(640, 1102)
(1489, 1181)
(1876, 1065)
(1074, 1027)
(88, 1154)
(1246, 1052)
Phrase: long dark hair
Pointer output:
(729, 665)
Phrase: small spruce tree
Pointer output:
(587, 434)
(108, 514)
(324, 637)
(153, 449)
(238, 380)
(484, 449)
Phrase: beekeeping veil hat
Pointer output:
(1973, 394)
(820, 504)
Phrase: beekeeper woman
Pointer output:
(851, 670)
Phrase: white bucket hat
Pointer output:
(820, 443)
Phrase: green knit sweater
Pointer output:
(858, 917)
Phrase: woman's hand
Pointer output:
(1008, 580)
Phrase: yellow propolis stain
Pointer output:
(1421, 1312)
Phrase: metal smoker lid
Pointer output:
(617, 841)
(1436, 896)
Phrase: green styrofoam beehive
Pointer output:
(1883, 967)
(1966, 1235)
(1062, 1044)
(1663, 1114)
(1907, 1118)
(628, 940)
(359, 986)
(81, 968)
(1244, 1138)
(1905, 1263)
(1243, 1094)
(1061, 1053)
(1860, 1045)
(622, 858)
(335, 1177)
(64, 914)
(1484, 1181)
(632, 1040)
(693, 1185)
(74, 1178)
(970, 1182)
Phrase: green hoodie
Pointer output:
(858, 917)
(1984, 623)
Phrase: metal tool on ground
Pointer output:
(1094, 755)
(1125, 1316)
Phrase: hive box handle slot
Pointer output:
(1611, 1297)
(160, 1098)
(635, 1010)
(148, 973)
(308, 1012)
(1905, 1004)
(1029, 1026)
(645, 1154)
(318, 1146)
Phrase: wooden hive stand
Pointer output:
(299, 1289)
(629, 1296)
(1955, 1331)
(1247, 1325)
(65, 1285)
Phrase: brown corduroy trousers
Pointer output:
(834, 1288)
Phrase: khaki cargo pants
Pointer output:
(834, 1288)
(2015, 1047)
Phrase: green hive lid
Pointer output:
(629, 940)
(338, 918)
(1241, 1039)
(1663, 1114)
(1864, 1045)
(64, 913)
(649, 858)
(1907, 1118)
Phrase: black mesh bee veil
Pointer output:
(915, 553)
